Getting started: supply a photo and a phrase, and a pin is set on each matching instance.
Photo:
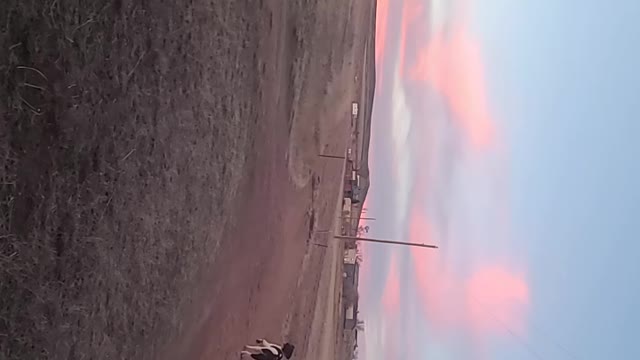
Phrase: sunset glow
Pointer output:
(382, 17)
(432, 105)
(485, 301)
(391, 297)
(453, 66)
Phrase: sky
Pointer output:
(505, 133)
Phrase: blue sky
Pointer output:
(536, 215)
(572, 69)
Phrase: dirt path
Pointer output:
(325, 328)
(275, 294)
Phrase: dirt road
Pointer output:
(159, 179)
(326, 329)
(280, 293)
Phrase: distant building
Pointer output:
(351, 317)
(350, 256)
(358, 193)
(351, 274)
(354, 193)
(352, 189)
(352, 271)
(346, 207)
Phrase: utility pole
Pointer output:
(340, 237)
(332, 156)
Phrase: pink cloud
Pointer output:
(495, 295)
(412, 12)
(482, 303)
(382, 22)
(495, 291)
(452, 65)
(391, 295)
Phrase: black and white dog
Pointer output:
(268, 351)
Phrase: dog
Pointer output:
(268, 351)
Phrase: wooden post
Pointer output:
(332, 156)
(340, 237)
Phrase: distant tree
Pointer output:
(359, 256)
(362, 230)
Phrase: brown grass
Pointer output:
(126, 127)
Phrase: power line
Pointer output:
(527, 345)
(557, 344)
(356, 238)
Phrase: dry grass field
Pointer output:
(159, 184)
